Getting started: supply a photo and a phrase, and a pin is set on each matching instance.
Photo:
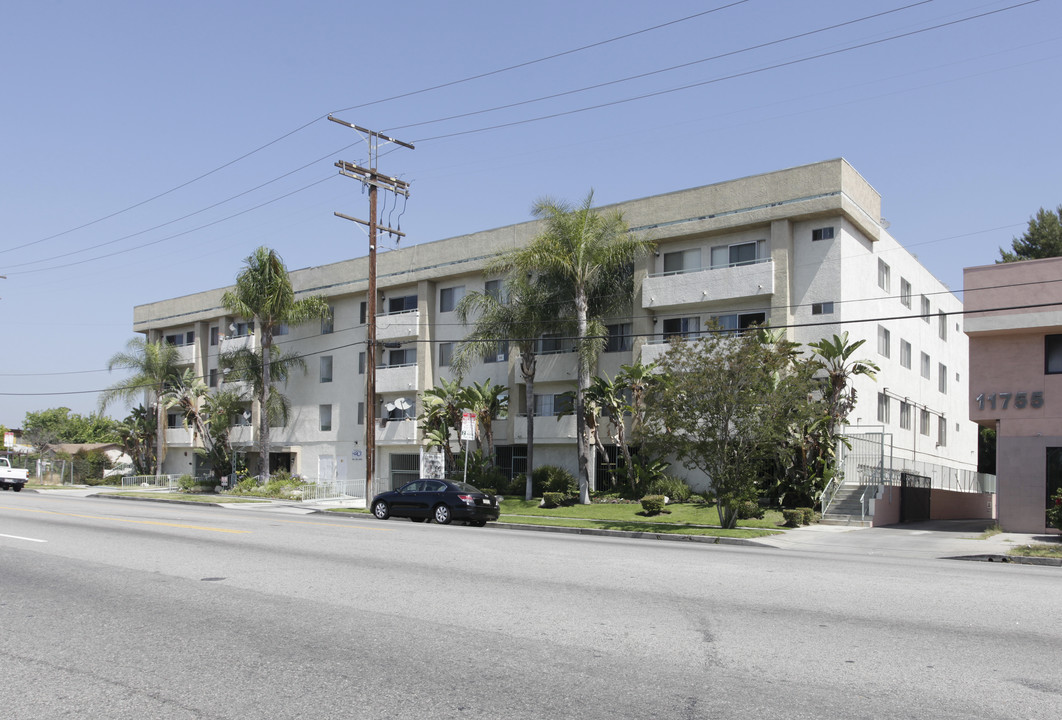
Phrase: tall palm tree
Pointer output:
(264, 294)
(488, 401)
(526, 311)
(154, 367)
(589, 257)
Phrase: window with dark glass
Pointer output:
(1052, 354)
(401, 304)
(825, 233)
(619, 338)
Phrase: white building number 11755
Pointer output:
(1020, 400)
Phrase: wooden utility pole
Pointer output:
(375, 182)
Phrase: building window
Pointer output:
(884, 281)
(925, 309)
(363, 311)
(326, 368)
(553, 343)
(739, 254)
(1052, 354)
(883, 408)
(241, 329)
(682, 261)
(403, 357)
(923, 423)
(905, 415)
(942, 319)
(173, 421)
(619, 338)
(212, 378)
(325, 412)
(405, 303)
(500, 353)
(328, 322)
(942, 378)
(361, 413)
(449, 297)
(736, 323)
(925, 366)
(823, 308)
(884, 341)
(550, 405)
(905, 353)
(905, 293)
(361, 363)
(825, 233)
(493, 288)
(942, 432)
(446, 351)
(214, 335)
(281, 329)
(683, 327)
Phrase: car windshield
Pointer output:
(465, 487)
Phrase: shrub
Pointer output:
(550, 478)
(793, 518)
(673, 487)
(653, 504)
(553, 499)
(1054, 513)
(749, 510)
(187, 483)
(809, 515)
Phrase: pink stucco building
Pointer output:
(1014, 322)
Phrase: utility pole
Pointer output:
(375, 182)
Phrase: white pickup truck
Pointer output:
(12, 477)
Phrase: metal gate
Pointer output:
(915, 491)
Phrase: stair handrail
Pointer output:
(830, 492)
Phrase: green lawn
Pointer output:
(1053, 550)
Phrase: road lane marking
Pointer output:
(331, 524)
(133, 522)
(19, 537)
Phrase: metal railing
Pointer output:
(169, 482)
(323, 490)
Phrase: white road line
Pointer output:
(17, 537)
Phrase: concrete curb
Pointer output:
(1011, 559)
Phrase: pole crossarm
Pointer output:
(369, 176)
(366, 223)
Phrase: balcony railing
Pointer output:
(398, 326)
(547, 428)
(396, 378)
(396, 432)
(709, 285)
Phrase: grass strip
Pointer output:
(188, 497)
(1037, 550)
(661, 528)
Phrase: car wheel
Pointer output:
(477, 523)
(380, 510)
(442, 515)
(16, 488)
(418, 519)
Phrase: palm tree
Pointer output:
(487, 401)
(154, 367)
(588, 257)
(441, 416)
(264, 294)
(137, 434)
(527, 311)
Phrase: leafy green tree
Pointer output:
(1042, 239)
(440, 417)
(587, 257)
(264, 294)
(137, 434)
(154, 367)
(62, 426)
(525, 312)
(489, 402)
(724, 405)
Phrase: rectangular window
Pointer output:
(739, 322)
(449, 297)
(905, 293)
(884, 281)
(174, 340)
(1052, 354)
(823, 308)
(326, 368)
(925, 309)
(884, 341)
(619, 338)
(363, 311)
(883, 408)
(905, 415)
(173, 421)
(361, 413)
(549, 405)
(682, 261)
(281, 329)
(552, 343)
(923, 423)
(942, 377)
(499, 354)
(739, 254)
(361, 363)
(446, 351)
(328, 322)
(494, 289)
(825, 233)
(212, 376)
(403, 357)
(681, 327)
(241, 329)
(326, 417)
(942, 320)
(925, 366)
(402, 304)
(905, 353)
(214, 336)
(942, 432)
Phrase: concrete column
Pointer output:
(781, 241)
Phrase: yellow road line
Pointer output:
(134, 522)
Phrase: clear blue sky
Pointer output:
(108, 105)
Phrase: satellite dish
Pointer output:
(402, 404)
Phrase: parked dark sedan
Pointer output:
(438, 500)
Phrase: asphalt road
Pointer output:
(117, 609)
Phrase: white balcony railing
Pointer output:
(396, 432)
(705, 286)
(400, 378)
(548, 428)
(398, 326)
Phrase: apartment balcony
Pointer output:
(242, 435)
(179, 437)
(237, 342)
(548, 428)
(396, 432)
(553, 367)
(398, 326)
(653, 350)
(396, 379)
(706, 286)
(185, 354)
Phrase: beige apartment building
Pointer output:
(804, 249)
